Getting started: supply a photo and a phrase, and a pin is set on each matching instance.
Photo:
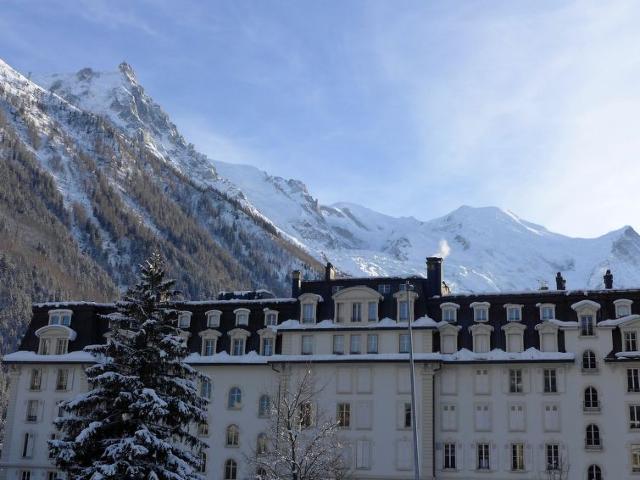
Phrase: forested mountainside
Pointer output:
(83, 201)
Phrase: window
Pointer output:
(53, 475)
(480, 314)
(372, 343)
(630, 341)
(633, 380)
(36, 379)
(449, 418)
(551, 420)
(261, 444)
(481, 338)
(230, 470)
(517, 457)
(307, 344)
(591, 402)
(60, 317)
(340, 312)
(305, 415)
(354, 344)
(516, 418)
(205, 388)
(338, 344)
(270, 319)
(514, 314)
(550, 380)
(635, 458)
(233, 436)
(634, 417)
(594, 473)
(213, 319)
(482, 418)
(384, 288)
(589, 360)
(592, 439)
(482, 385)
(209, 346)
(308, 310)
(202, 465)
(261, 474)
(27, 446)
(552, 453)
(32, 410)
(184, 320)
(237, 346)
(515, 381)
(356, 312)
(403, 311)
(62, 379)
(407, 415)
(62, 345)
(623, 308)
(25, 475)
(449, 314)
(372, 310)
(343, 415)
(267, 346)
(547, 312)
(242, 317)
(450, 456)
(264, 406)
(203, 429)
(363, 454)
(482, 456)
(235, 398)
(586, 325)
(404, 343)
(44, 346)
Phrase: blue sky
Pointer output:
(410, 108)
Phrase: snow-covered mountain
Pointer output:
(486, 248)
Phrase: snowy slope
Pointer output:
(486, 248)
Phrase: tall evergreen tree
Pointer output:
(136, 420)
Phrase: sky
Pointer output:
(406, 107)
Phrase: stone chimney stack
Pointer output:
(296, 283)
(561, 283)
(434, 276)
(608, 280)
(329, 272)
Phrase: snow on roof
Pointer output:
(422, 322)
(616, 322)
(71, 303)
(32, 357)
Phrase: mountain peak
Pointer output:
(127, 71)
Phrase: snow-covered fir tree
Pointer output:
(137, 419)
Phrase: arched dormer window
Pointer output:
(589, 362)
(449, 338)
(592, 437)
(405, 304)
(213, 318)
(209, 342)
(591, 401)
(548, 333)
(449, 312)
(587, 311)
(623, 307)
(267, 341)
(270, 317)
(242, 317)
(514, 312)
(234, 401)
(238, 341)
(54, 339)
(60, 317)
(184, 320)
(356, 305)
(481, 333)
(480, 311)
(514, 336)
(547, 311)
(309, 307)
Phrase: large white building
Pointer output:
(510, 386)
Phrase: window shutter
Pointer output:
(560, 379)
(528, 457)
(506, 461)
(505, 380)
(344, 380)
(364, 380)
(40, 410)
(363, 415)
(526, 380)
(30, 445)
(460, 451)
(404, 382)
(538, 383)
(439, 456)
(493, 460)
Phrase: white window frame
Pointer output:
(270, 314)
(242, 317)
(480, 311)
(543, 308)
(513, 307)
(449, 308)
(309, 300)
(182, 324)
(60, 317)
(213, 318)
(620, 304)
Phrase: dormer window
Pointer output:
(356, 312)
(270, 318)
(238, 341)
(308, 307)
(548, 333)
(242, 317)
(267, 342)
(514, 312)
(547, 311)
(480, 311)
(587, 311)
(514, 336)
(384, 288)
(62, 346)
(213, 318)
(449, 312)
(308, 313)
(630, 341)
(356, 305)
(448, 338)
(184, 320)
(60, 317)
(372, 311)
(623, 307)
(481, 337)
(405, 300)
(209, 342)
(54, 339)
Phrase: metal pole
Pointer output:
(414, 416)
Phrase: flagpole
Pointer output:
(414, 416)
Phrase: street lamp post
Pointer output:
(414, 416)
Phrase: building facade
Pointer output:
(521, 385)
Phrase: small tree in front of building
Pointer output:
(300, 442)
(136, 420)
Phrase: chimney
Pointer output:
(296, 283)
(329, 272)
(608, 280)
(561, 283)
(434, 276)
